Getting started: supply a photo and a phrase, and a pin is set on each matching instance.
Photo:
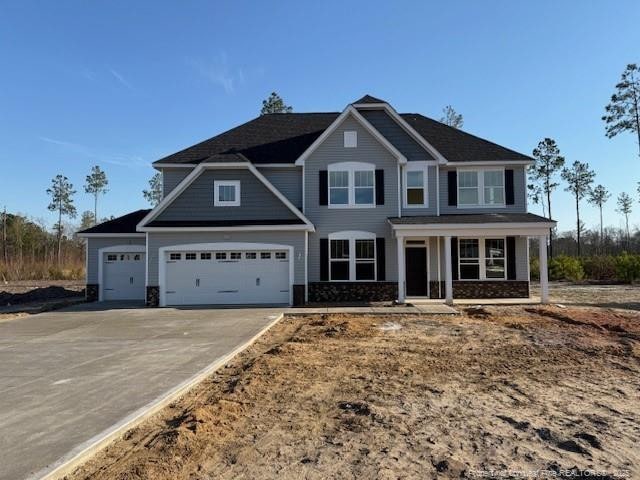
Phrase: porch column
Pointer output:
(401, 269)
(448, 278)
(544, 277)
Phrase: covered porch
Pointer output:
(479, 256)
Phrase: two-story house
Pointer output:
(361, 205)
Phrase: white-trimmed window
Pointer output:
(481, 187)
(415, 185)
(352, 256)
(350, 139)
(226, 193)
(352, 185)
(482, 259)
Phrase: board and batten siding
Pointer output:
(329, 220)
(158, 240)
(256, 200)
(96, 243)
(288, 181)
(171, 177)
(519, 193)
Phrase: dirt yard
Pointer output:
(612, 296)
(520, 388)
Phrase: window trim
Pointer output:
(351, 236)
(413, 167)
(482, 259)
(226, 183)
(481, 200)
(351, 168)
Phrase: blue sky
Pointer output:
(121, 83)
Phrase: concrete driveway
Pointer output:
(67, 376)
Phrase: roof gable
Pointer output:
(368, 99)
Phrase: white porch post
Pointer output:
(401, 269)
(544, 277)
(448, 278)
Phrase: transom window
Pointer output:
(226, 193)
(415, 181)
(352, 256)
(351, 184)
(481, 259)
(481, 187)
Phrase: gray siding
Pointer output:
(288, 181)
(158, 240)
(171, 177)
(398, 137)
(519, 190)
(328, 220)
(256, 200)
(94, 244)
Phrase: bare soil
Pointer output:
(337, 396)
(25, 297)
(612, 296)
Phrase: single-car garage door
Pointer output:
(228, 277)
(123, 276)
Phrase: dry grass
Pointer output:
(41, 270)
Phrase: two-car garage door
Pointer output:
(226, 277)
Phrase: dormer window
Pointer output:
(350, 139)
(226, 193)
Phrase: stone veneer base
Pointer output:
(153, 296)
(91, 292)
(485, 289)
(321, 292)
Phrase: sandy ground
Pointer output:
(612, 296)
(523, 388)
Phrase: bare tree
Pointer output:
(451, 117)
(623, 112)
(154, 194)
(579, 179)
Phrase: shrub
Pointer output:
(564, 267)
(534, 268)
(599, 267)
(628, 267)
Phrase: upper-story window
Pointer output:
(226, 193)
(415, 185)
(351, 184)
(481, 187)
(350, 139)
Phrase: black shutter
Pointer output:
(380, 259)
(323, 187)
(508, 187)
(379, 187)
(454, 258)
(511, 258)
(324, 259)
(453, 187)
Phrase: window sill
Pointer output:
(426, 205)
(497, 205)
(341, 206)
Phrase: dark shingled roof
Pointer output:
(369, 99)
(471, 219)
(283, 137)
(124, 224)
(222, 223)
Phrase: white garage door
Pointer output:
(123, 275)
(230, 277)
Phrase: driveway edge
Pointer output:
(82, 452)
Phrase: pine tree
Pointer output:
(96, 184)
(624, 207)
(87, 219)
(623, 111)
(548, 163)
(61, 193)
(579, 179)
(598, 196)
(274, 104)
(451, 117)
(154, 194)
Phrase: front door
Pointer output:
(416, 271)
